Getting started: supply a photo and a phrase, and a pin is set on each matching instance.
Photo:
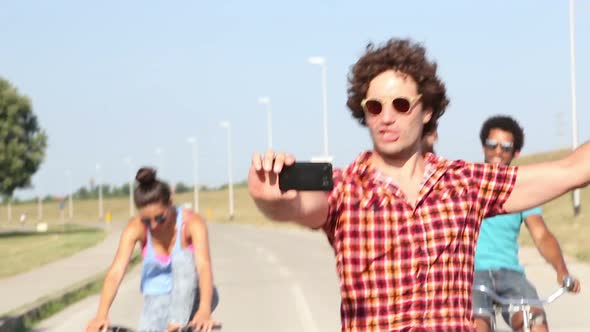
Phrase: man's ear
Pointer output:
(516, 154)
(426, 115)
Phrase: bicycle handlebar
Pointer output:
(568, 284)
(116, 328)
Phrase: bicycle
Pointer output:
(119, 328)
(514, 305)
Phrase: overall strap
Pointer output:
(178, 244)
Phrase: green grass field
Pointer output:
(22, 251)
(213, 205)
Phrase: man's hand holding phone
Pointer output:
(284, 190)
(263, 177)
(279, 176)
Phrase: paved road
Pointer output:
(268, 279)
(284, 280)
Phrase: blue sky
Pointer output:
(114, 79)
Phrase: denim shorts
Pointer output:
(178, 306)
(506, 283)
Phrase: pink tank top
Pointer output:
(160, 258)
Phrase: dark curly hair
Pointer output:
(407, 57)
(504, 123)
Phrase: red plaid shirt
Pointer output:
(404, 267)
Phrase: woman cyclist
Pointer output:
(176, 278)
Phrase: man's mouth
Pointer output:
(389, 135)
(496, 160)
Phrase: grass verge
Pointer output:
(24, 319)
(25, 250)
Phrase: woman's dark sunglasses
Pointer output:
(374, 106)
(159, 218)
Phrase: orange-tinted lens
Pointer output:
(373, 106)
(401, 105)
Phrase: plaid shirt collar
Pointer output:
(374, 182)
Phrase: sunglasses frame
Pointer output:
(493, 144)
(160, 219)
(389, 101)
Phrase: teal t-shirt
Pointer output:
(497, 246)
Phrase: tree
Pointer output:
(83, 193)
(182, 188)
(22, 141)
(125, 189)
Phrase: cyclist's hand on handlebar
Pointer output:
(97, 325)
(576, 286)
(263, 177)
(202, 322)
(173, 327)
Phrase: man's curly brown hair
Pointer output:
(407, 57)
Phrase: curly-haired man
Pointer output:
(404, 225)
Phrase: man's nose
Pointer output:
(388, 114)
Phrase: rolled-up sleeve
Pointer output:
(495, 183)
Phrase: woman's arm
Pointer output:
(200, 239)
(117, 269)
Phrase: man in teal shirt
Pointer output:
(496, 256)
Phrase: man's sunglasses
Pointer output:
(159, 218)
(492, 144)
(375, 106)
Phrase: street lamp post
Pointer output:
(227, 125)
(131, 178)
(266, 101)
(159, 153)
(99, 184)
(576, 193)
(193, 142)
(9, 209)
(321, 61)
(39, 208)
(70, 191)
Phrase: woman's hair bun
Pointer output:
(146, 176)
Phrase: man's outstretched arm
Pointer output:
(539, 183)
(308, 208)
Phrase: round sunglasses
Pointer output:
(492, 144)
(374, 106)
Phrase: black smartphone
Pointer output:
(306, 176)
